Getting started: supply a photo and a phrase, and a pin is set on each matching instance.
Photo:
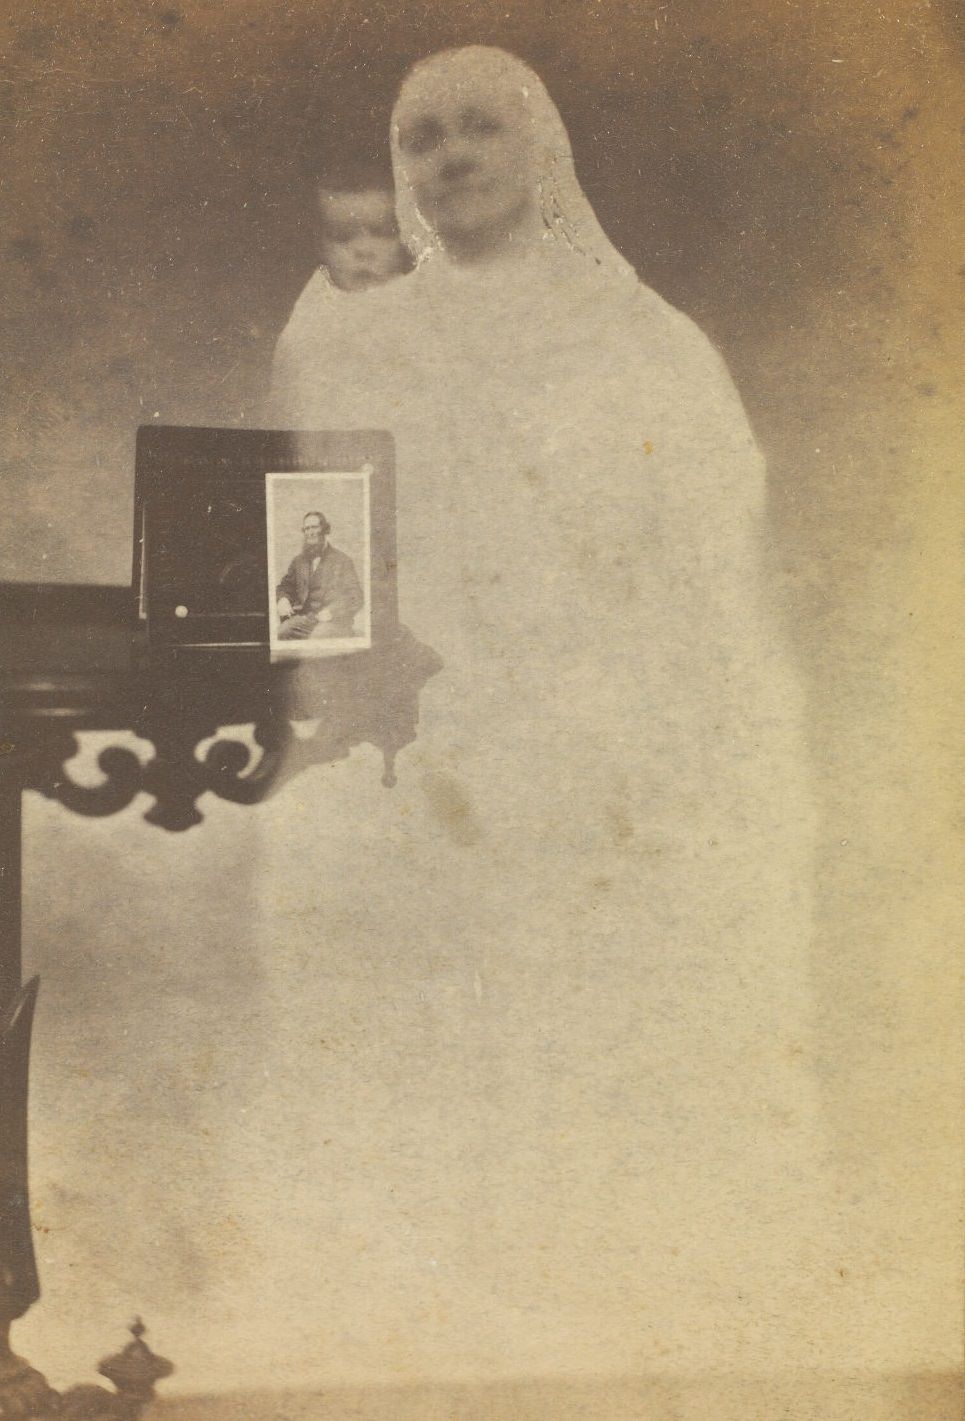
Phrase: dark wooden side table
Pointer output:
(72, 660)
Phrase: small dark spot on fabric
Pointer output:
(81, 227)
(25, 249)
(170, 18)
(588, 555)
(36, 40)
(927, 388)
(621, 825)
(451, 806)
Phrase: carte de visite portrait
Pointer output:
(479, 855)
(319, 561)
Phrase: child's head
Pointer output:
(358, 236)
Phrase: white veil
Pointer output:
(568, 218)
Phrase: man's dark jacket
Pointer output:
(333, 585)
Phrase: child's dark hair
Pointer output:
(353, 174)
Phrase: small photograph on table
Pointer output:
(319, 563)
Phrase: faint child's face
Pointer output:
(359, 241)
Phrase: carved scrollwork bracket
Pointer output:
(376, 702)
(122, 770)
(175, 777)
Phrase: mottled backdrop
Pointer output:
(786, 173)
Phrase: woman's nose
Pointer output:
(456, 163)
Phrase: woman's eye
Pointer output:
(480, 125)
(421, 138)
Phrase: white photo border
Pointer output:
(334, 646)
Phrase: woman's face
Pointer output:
(468, 155)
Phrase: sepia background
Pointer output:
(785, 173)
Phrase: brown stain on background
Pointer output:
(452, 807)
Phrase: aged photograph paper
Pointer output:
(547, 1002)
(320, 599)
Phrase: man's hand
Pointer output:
(325, 615)
(285, 608)
(296, 627)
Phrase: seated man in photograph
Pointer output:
(320, 593)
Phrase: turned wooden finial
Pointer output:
(135, 1370)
